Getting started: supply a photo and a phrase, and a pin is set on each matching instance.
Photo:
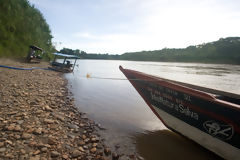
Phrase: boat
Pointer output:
(207, 116)
(66, 66)
(35, 54)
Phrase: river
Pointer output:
(103, 93)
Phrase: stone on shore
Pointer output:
(75, 154)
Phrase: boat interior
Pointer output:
(221, 95)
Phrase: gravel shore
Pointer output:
(38, 119)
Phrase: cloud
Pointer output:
(85, 35)
(133, 25)
(112, 43)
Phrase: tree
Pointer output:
(21, 25)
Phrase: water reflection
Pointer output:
(167, 145)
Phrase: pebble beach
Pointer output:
(38, 118)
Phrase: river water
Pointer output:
(100, 91)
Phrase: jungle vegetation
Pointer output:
(21, 25)
(225, 50)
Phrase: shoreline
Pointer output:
(39, 120)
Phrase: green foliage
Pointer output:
(21, 25)
(222, 51)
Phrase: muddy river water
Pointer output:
(130, 126)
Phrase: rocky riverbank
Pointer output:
(38, 119)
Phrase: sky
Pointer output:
(120, 26)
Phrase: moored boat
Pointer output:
(35, 54)
(207, 116)
(66, 66)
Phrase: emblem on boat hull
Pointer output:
(221, 131)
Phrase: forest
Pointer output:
(21, 25)
(225, 50)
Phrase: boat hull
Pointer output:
(212, 123)
(60, 69)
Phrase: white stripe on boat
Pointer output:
(217, 146)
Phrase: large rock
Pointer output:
(26, 136)
(76, 153)
(38, 131)
(81, 149)
(2, 150)
(48, 121)
(47, 108)
(93, 150)
(55, 154)
(1, 144)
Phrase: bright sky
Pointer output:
(119, 26)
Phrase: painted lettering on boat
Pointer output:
(172, 92)
(176, 105)
(187, 97)
(219, 130)
(186, 111)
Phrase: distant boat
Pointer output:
(66, 66)
(35, 54)
(209, 117)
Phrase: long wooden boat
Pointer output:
(66, 66)
(209, 117)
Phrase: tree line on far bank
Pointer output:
(225, 50)
(21, 25)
